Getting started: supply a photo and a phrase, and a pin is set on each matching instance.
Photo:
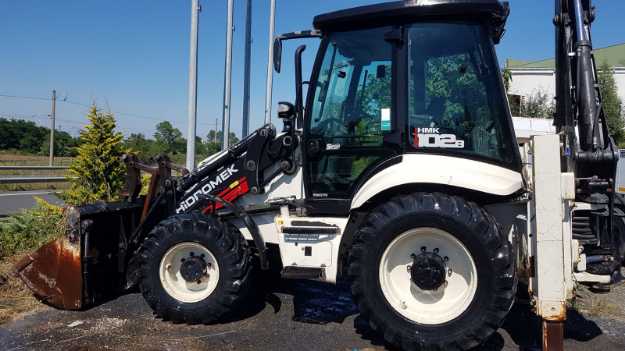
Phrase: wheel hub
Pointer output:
(428, 271)
(193, 269)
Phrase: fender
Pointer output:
(443, 170)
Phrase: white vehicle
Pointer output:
(399, 172)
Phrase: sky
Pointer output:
(130, 57)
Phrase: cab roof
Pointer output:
(493, 12)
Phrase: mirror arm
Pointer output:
(299, 104)
(277, 44)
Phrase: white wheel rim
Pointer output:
(171, 277)
(421, 306)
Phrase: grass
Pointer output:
(15, 297)
(30, 229)
(20, 234)
(17, 159)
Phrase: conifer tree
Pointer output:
(97, 170)
(612, 105)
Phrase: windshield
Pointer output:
(455, 100)
(353, 95)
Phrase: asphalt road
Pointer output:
(296, 316)
(14, 202)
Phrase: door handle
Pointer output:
(313, 147)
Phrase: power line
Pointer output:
(71, 102)
(25, 97)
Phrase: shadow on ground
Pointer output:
(294, 315)
(322, 303)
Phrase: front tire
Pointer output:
(194, 269)
(432, 271)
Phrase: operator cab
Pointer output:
(400, 78)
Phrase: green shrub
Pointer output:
(30, 229)
(98, 171)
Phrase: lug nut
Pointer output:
(446, 259)
(191, 253)
(424, 249)
(436, 250)
(408, 268)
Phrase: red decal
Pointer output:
(230, 194)
(415, 136)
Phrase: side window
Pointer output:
(371, 115)
(455, 100)
(332, 94)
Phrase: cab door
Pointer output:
(350, 111)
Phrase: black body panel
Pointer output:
(401, 12)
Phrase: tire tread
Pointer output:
(499, 251)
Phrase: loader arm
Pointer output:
(94, 259)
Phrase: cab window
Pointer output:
(455, 100)
(350, 111)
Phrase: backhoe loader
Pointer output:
(398, 172)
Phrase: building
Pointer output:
(525, 128)
(530, 78)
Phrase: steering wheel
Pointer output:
(332, 127)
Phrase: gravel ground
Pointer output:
(297, 316)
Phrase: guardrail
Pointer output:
(32, 168)
(18, 179)
(27, 180)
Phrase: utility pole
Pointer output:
(228, 78)
(52, 127)
(248, 58)
(192, 103)
(269, 87)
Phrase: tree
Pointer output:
(21, 135)
(98, 169)
(612, 105)
(138, 144)
(507, 78)
(537, 105)
(26, 136)
(210, 138)
(169, 138)
(201, 148)
(64, 144)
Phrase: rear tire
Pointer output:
(215, 280)
(457, 314)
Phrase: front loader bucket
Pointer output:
(54, 274)
(87, 265)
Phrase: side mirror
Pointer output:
(277, 55)
(286, 110)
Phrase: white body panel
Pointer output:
(443, 170)
(324, 249)
(551, 243)
(285, 186)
